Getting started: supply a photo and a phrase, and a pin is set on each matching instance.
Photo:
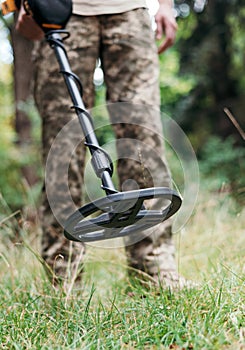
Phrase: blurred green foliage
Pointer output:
(210, 49)
(223, 167)
(14, 190)
(10, 183)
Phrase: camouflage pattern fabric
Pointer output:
(126, 46)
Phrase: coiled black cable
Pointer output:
(55, 39)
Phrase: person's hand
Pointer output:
(27, 27)
(166, 26)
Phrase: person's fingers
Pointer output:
(170, 34)
(159, 29)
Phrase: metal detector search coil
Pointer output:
(123, 213)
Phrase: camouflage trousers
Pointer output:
(126, 47)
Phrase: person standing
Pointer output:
(121, 35)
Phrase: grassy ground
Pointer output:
(107, 311)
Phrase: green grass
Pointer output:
(108, 311)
